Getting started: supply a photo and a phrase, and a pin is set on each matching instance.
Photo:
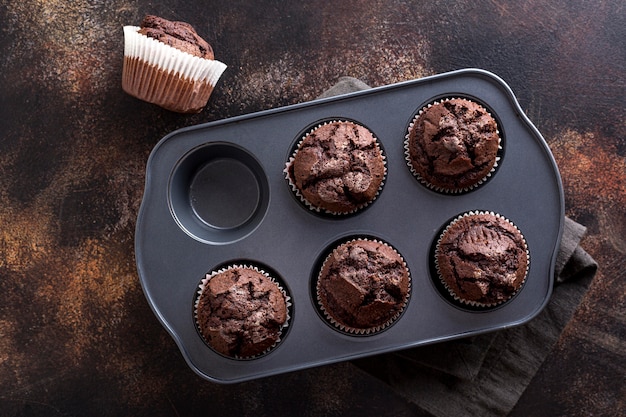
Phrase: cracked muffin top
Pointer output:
(482, 259)
(363, 284)
(453, 144)
(179, 35)
(241, 312)
(338, 167)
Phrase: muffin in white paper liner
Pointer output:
(166, 76)
(450, 291)
(283, 327)
(361, 331)
(288, 172)
(426, 182)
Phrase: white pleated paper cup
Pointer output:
(163, 75)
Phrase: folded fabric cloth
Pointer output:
(463, 358)
(486, 374)
(487, 382)
(345, 85)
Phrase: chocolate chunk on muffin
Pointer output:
(167, 63)
(452, 145)
(241, 312)
(482, 259)
(363, 286)
(337, 168)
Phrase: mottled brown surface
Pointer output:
(76, 334)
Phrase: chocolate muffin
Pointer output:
(241, 312)
(179, 35)
(482, 259)
(167, 63)
(337, 168)
(452, 145)
(363, 286)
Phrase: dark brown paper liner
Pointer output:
(424, 181)
(317, 209)
(168, 90)
(470, 302)
(354, 330)
(210, 275)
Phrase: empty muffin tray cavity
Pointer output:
(219, 195)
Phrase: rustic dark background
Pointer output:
(76, 334)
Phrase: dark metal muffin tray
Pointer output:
(216, 194)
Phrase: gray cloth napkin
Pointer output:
(485, 375)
